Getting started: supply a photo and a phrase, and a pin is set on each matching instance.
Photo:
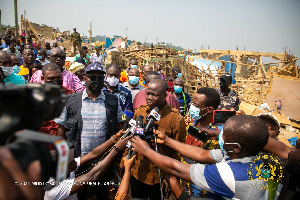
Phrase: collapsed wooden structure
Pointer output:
(253, 78)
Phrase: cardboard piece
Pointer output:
(288, 91)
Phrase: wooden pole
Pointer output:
(16, 19)
(0, 25)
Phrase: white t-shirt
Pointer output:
(62, 191)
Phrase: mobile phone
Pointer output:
(193, 131)
(221, 116)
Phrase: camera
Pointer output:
(27, 107)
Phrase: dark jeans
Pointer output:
(143, 191)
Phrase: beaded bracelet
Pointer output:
(113, 140)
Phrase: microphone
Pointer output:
(139, 131)
(154, 116)
(126, 117)
(131, 129)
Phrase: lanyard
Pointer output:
(184, 102)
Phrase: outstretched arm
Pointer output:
(97, 171)
(101, 149)
(193, 152)
(122, 192)
(167, 164)
(277, 148)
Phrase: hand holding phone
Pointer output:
(196, 133)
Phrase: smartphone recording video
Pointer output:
(221, 116)
(193, 131)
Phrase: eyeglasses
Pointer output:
(57, 56)
(228, 143)
(94, 78)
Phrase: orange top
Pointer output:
(124, 77)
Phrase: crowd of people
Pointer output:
(98, 98)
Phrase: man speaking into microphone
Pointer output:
(145, 181)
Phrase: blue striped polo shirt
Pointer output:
(229, 179)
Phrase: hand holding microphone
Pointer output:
(139, 131)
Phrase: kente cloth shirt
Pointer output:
(70, 80)
(94, 122)
(230, 179)
(172, 124)
(140, 99)
(229, 100)
(133, 90)
(96, 59)
(15, 79)
(124, 96)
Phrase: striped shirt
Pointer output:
(229, 178)
(94, 122)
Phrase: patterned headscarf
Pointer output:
(75, 67)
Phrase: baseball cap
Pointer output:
(94, 67)
(226, 77)
(270, 116)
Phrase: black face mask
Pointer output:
(95, 86)
(57, 82)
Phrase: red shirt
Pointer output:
(140, 99)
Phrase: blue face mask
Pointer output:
(133, 80)
(221, 141)
(177, 89)
(178, 75)
(195, 112)
(133, 66)
(16, 69)
(158, 72)
(17, 47)
(40, 57)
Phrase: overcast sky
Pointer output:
(257, 25)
